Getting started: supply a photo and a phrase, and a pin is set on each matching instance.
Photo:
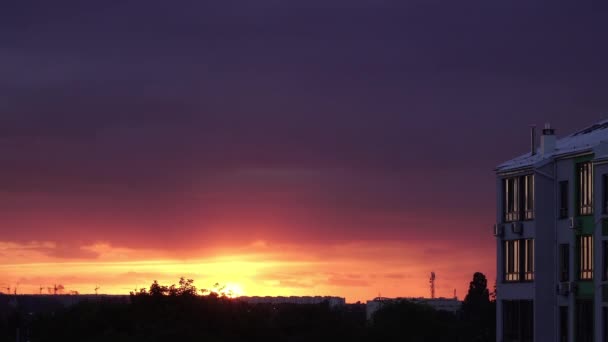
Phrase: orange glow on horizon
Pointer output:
(356, 271)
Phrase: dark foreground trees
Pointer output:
(177, 312)
(478, 311)
(406, 321)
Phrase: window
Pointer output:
(605, 194)
(585, 192)
(519, 260)
(584, 320)
(511, 199)
(512, 260)
(605, 310)
(563, 324)
(605, 260)
(528, 259)
(528, 197)
(564, 262)
(564, 212)
(519, 198)
(518, 320)
(585, 248)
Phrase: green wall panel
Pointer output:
(585, 289)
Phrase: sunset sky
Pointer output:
(312, 147)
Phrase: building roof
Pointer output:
(591, 138)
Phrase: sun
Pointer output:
(233, 290)
(230, 290)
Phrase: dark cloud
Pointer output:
(181, 124)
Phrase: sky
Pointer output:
(315, 147)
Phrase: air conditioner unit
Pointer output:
(498, 229)
(517, 228)
(574, 223)
(563, 288)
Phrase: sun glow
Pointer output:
(356, 271)
(230, 290)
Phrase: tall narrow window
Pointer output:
(526, 312)
(528, 197)
(511, 320)
(605, 310)
(563, 324)
(529, 259)
(512, 261)
(564, 262)
(585, 257)
(585, 192)
(605, 194)
(511, 189)
(564, 212)
(584, 320)
(518, 320)
(605, 260)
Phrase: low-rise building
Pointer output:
(440, 304)
(332, 301)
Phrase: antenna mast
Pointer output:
(432, 282)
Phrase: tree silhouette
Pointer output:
(178, 313)
(407, 321)
(157, 290)
(478, 297)
(478, 311)
(493, 294)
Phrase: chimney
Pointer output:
(547, 140)
(532, 140)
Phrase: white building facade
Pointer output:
(552, 240)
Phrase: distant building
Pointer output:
(552, 239)
(49, 303)
(332, 301)
(440, 304)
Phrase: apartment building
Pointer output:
(552, 239)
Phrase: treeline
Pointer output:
(177, 312)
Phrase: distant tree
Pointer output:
(157, 290)
(478, 297)
(406, 321)
(493, 294)
(186, 287)
(478, 311)
(217, 290)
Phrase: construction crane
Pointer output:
(96, 288)
(432, 282)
